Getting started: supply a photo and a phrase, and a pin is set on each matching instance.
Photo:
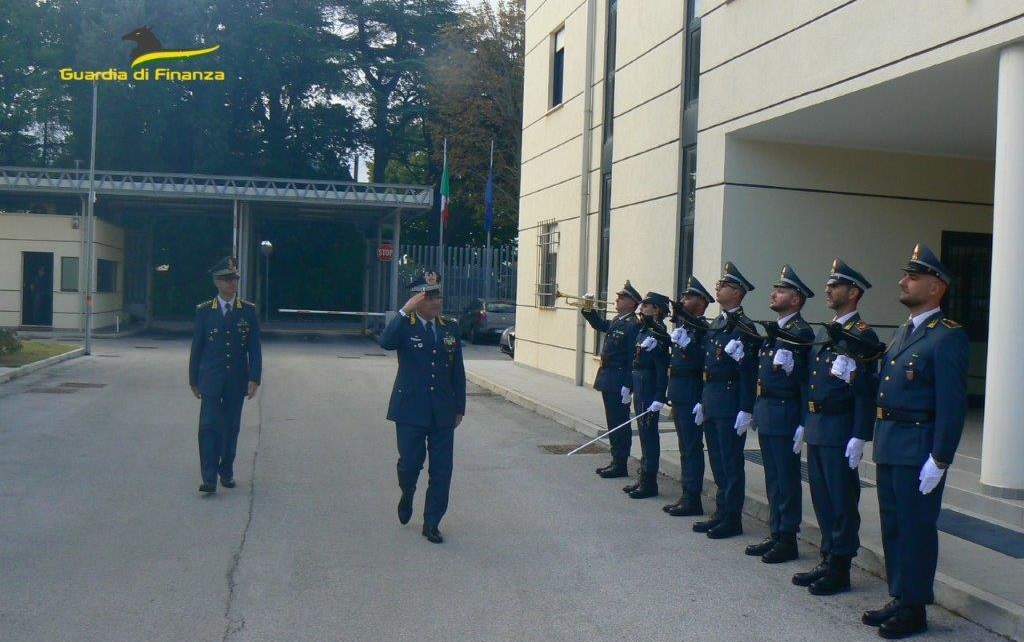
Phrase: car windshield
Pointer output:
(501, 307)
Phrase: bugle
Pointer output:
(585, 302)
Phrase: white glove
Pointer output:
(930, 476)
(656, 406)
(681, 337)
(626, 394)
(854, 451)
(798, 440)
(698, 414)
(648, 344)
(784, 358)
(742, 422)
(844, 367)
(735, 350)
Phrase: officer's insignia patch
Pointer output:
(951, 324)
(449, 341)
(934, 323)
(863, 327)
(848, 326)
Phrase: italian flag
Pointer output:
(446, 189)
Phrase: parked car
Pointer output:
(485, 320)
(507, 343)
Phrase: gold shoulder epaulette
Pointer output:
(207, 303)
(950, 323)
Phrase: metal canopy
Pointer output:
(235, 188)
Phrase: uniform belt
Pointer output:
(644, 368)
(830, 407)
(679, 373)
(905, 416)
(606, 364)
(710, 378)
(775, 394)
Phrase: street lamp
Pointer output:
(266, 249)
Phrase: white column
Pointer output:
(1002, 453)
(243, 236)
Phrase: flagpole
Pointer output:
(440, 227)
(487, 256)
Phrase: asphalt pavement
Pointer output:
(103, 536)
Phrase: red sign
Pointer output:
(385, 252)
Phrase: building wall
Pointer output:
(645, 165)
(758, 203)
(56, 234)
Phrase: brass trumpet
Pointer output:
(585, 302)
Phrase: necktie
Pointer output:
(430, 331)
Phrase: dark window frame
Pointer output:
(548, 238)
(557, 92)
(968, 255)
(106, 276)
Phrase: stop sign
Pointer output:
(385, 252)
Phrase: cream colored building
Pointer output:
(53, 243)
(803, 130)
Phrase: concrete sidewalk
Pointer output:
(981, 560)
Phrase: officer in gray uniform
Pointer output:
(614, 377)
(922, 400)
(428, 400)
(224, 367)
(727, 401)
(650, 379)
(778, 415)
(685, 384)
(838, 422)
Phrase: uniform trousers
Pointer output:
(220, 419)
(725, 453)
(910, 537)
(414, 442)
(691, 450)
(617, 413)
(835, 494)
(782, 482)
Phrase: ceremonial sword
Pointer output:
(600, 437)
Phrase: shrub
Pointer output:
(9, 341)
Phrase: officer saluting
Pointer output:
(428, 400)
(778, 415)
(685, 383)
(224, 367)
(730, 379)
(920, 417)
(614, 378)
(839, 419)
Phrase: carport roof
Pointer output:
(337, 195)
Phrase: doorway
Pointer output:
(37, 288)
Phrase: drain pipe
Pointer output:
(585, 168)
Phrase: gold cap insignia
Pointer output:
(231, 264)
(917, 253)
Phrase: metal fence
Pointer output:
(464, 272)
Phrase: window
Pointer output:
(69, 274)
(557, 66)
(969, 257)
(106, 275)
(547, 264)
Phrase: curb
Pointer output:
(27, 369)
(970, 602)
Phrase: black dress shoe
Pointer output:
(689, 507)
(207, 487)
(836, 578)
(813, 575)
(432, 534)
(907, 621)
(228, 483)
(405, 507)
(762, 547)
(645, 490)
(707, 524)
(785, 550)
(876, 617)
(614, 468)
(631, 487)
(669, 507)
(613, 472)
(727, 528)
